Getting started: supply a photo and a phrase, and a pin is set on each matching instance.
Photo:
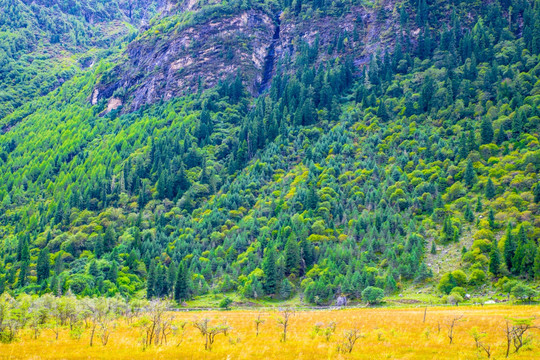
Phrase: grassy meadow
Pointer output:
(387, 333)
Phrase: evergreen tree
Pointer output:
(151, 280)
(312, 198)
(536, 265)
(98, 246)
(537, 193)
(469, 216)
(509, 248)
(518, 123)
(308, 253)
(382, 112)
(494, 260)
(270, 272)
(471, 141)
(58, 264)
(181, 287)
(23, 274)
(478, 205)
(160, 285)
(490, 189)
(112, 275)
(469, 175)
(486, 131)
(491, 218)
(501, 136)
(93, 269)
(292, 257)
(43, 267)
(109, 239)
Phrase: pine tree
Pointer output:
(517, 259)
(478, 205)
(448, 231)
(308, 255)
(292, 257)
(469, 216)
(43, 266)
(109, 239)
(469, 175)
(471, 141)
(509, 248)
(181, 287)
(494, 260)
(433, 248)
(537, 193)
(98, 246)
(23, 273)
(486, 131)
(312, 198)
(490, 189)
(536, 265)
(93, 269)
(382, 112)
(491, 219)
(390, 285)
(112, 275)
(501, 136)
(463, 147)
(518, 123)
(160, 285)
(151, 280)
(58, 265)
(270, 272)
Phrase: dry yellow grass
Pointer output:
(389, 334)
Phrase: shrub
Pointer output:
(372, 295)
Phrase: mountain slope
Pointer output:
(44, 43)
(367, 150)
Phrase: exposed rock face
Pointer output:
(134, 11)
(200, 55)
(160, 66)
(362, 31)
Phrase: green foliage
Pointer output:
(372, 295)
(333, 181)
(225, 302)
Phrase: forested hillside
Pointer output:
(300, 149)
(44, 42)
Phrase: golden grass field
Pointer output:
(390, 333)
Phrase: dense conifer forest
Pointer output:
(372, 163)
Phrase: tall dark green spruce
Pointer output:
(270, 271)
(43, 266)
(181, 286)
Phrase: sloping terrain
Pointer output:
(383, 129)
(43, 43)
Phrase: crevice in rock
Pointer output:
(269, 59)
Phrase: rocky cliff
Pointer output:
(170, 61)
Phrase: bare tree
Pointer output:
(477, 336)
(155, 324)
(486, 348)
(515, 331)
(283, 321)
(179, 329)
(209, 332)
(350, 337)
(258, 321)
(451, 324)
(480, 345)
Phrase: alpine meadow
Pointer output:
(269, 179)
